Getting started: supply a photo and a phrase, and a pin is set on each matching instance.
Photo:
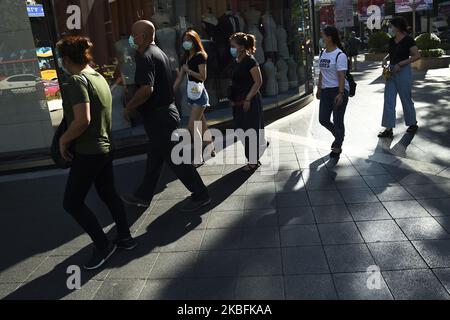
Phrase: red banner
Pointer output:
(327, 15)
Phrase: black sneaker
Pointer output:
(413, 128)
(195, 204)
(99, 257)
(335, 155)
(126, 244)
(388, 133)
(132, 200)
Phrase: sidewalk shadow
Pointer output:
(165, 229)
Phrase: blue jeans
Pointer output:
(328, 107)
(401, 84)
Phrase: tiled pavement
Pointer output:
(310, 230)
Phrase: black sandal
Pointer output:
(413, 128)
(388, 133)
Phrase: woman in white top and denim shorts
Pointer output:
(194, 68)
(333, 88)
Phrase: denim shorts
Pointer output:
(203, 101)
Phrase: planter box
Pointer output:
(375, 56)
(431, 63)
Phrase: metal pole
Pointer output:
(414, 18)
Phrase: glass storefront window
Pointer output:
(283, 30)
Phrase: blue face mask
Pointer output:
(61, 65)
(187, 45)
(234, 52)
(132, 43)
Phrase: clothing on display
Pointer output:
(166, 38)
(283, 49)
(282, 76)
(270, 33)
(270, 78)
(259, 54)
(292, 73)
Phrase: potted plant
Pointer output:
(432, 54)
(378, 46)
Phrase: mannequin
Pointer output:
(283, 49)
(166, 38)
(282, 76)
(270, 33)
(253, 16)
(160, 18)
(210, 23)
(228, 24)
(292, 73)
(270, 80)
(259, 54)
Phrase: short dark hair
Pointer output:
(77, 48)
(400, 23)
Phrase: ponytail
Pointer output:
(248, 41)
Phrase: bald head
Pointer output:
(144, 32)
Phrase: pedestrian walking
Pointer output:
(87, 108)
(154, 100)
(333, 88)
(246, 98)
(194, 66)
(352, 48)
(402, 52)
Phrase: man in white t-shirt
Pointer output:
(333, 88)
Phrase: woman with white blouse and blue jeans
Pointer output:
(333, 88)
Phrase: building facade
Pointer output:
(31, 82)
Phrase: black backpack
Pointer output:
(351, 81)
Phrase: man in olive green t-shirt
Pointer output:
(90, 87)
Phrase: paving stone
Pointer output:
(128, 268)
(260, 201)
(260, 288)
(323, 198)
(358, 195)
(261, 187)
(396, 255)
(344, 171)
(368, 211)
(120, 290)
(392, 193)
(381, 230)
(168, 289)
(87, 291)
(294, 185)
(211, 289)
(6, 289)
(319, 183)
(222, 239)
(354, 286)
(339, 233)
(260, 262)
(232, 203)
(19, 272)
(190, 241)
(429, 191)
(299, 235)
(444, 276)
(422, 228)
(350, 182)
(348, 258)
(444, 222)
(415, 285)
(304, 260)
(436, 253)
(422, 178)
(225, 219)
(384, 180)
(260, 218)
(268, 237)
(292, 199)
(174, 265)
(297, 215)
(310, 287)
(437, 207)
(405, 209)
(371, 169)
(162, 206)
(222, 263)
(333, 213)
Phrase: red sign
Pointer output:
(327, 15)
(364, 4)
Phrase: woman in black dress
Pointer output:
(246, 98)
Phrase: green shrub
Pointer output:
(427, 41)
(432, 53)
(379, 42)
(445, 46)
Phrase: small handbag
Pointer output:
(195, 90)
(387, 73)
(55, 151)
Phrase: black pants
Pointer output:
(328, 108)
(98, 170)
(252, 119)
(159, 129)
